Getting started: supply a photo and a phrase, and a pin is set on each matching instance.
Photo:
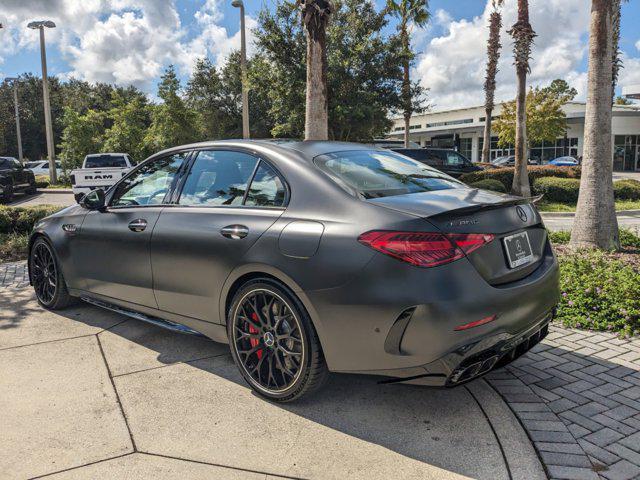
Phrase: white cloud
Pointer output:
(128, 42)
(638, 44)
(453, 64)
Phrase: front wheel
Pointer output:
(46, 277)
(273, 342)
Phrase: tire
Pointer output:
(295, 363)
(32, 190)
(44, 267)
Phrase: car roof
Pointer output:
(310, 148)
(106, 153)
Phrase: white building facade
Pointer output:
(463, 129)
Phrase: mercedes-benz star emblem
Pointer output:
(269, 339)
(521, 213)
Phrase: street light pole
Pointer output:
(243, 66)
(47, 105)
(15, 103)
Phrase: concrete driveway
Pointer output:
(87, 393)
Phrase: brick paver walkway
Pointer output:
(14, 275)
(578, 396)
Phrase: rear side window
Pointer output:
(218, 177)
(374, 173)
(266, 188)
(106, 161)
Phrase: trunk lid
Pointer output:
(465, 210)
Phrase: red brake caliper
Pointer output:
(254, 341)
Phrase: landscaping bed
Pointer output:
(600, 290)
(16, 224)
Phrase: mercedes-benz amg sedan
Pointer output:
(309, 257)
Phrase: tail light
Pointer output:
(424, 249)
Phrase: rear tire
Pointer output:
(7, 197)
(273, 342)
(46, 277)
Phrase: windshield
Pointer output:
(105, 161)
(374, 174)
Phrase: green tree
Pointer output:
(546, 120)
(172, 122)
(364, 76)
(81, 135)
(410, 14)
(129, 120)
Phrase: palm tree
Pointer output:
(523, 36)
(595, 224)
(493, 55)
(416, 13)
(315, 17)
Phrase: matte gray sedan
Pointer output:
(309, 257)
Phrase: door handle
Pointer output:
(138, 225)
(235, 232)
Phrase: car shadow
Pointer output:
(428, 425)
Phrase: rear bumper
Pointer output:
(399, 321)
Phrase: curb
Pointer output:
(573, 214)
(55, 190)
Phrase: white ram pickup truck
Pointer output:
(99, 170)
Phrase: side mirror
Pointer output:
(93, 200)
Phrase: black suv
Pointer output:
(447, 161)
(15, 178)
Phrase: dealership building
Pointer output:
(463, 129)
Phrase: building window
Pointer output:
(466, 147)
(414, 127)
(544, 152)
(450, 122)
(398, 129)
(495, 150)
(626, 153)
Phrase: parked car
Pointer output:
(41, 167)
(14, 178)
(509, 161)
(309, 257)
(564, 162)
(99, 170)
(447, 161)
(388, 143)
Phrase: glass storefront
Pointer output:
(540, 152)
(466, 147)
(626, 153)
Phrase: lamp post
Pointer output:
(41, 25)
(243, 67)
(14, 80)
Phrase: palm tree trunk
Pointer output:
(523, 36)
(406, 86)
(520, 175)
(315, 16)
(486, 146)
(595, 223)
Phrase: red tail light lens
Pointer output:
(424, 249)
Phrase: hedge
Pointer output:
(22, 219)
(627, 189)
(489, 184)
(505, 174)
(564, 190)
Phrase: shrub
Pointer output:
(42, 181)
(22, 219)
(505, 174)
(13, 246)
(627, 189)
(557, 189)
(489, 184)
(599, 293)
(628, 238)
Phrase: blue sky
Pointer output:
(132, 41)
